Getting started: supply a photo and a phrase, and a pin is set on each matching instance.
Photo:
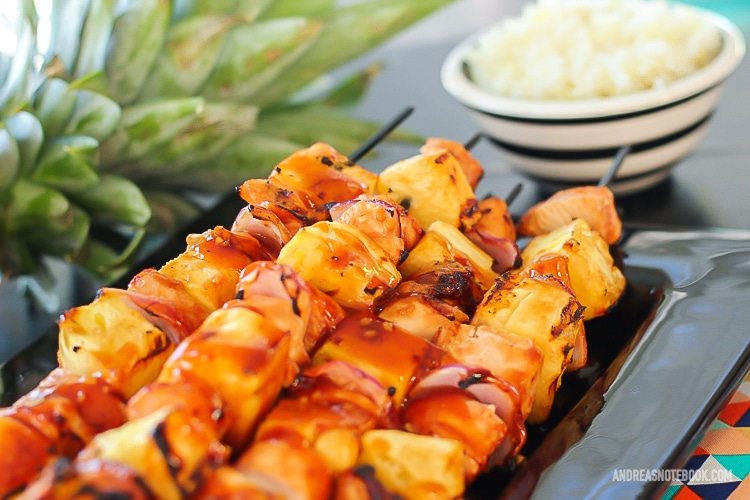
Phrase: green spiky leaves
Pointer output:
(136, 104)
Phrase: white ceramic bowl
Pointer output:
(565, 143)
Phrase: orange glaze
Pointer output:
(189, 394)
(169, 299)
(264, 225)
(393, 357)
(295, 209)
(300, 469)
(97, 402)
(224, 249)
(317, 312)
(333, 395)
(451, 412)
(55, 419)
(387, 223)
(230, 483)
(313, 171)
(507, 356)
(241, 356)
(489, 225)
(25, 452)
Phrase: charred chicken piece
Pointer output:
(393, 357)
(295, 209)
(469, 405)
(243, 356)
(490, 226)
(164, 455)
(418, 311)
(327, 409)
(388, 224)
(297, 471)
(300, 308)
(324, 173)
(90, 480)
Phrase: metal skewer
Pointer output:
(616, 163)
(473, 141)
(514, 193)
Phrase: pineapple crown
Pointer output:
(109, 130)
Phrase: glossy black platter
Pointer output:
(661, 365)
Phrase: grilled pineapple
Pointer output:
(547, 312)
(594, 278)
(341, 261)
(432, 187)
(415, 466)
(169, 450)
(130, 111)
(113, 336)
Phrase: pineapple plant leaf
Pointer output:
(138, 109)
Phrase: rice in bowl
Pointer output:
(584, 49)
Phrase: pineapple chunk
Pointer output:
(544, 310)
(342, 261)
(112, 336)
(415, 466)
(595, 280)
(153, 444)
(210, 285)
(432, 187)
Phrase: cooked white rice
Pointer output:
(577, 49)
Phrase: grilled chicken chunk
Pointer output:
(594, 204)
